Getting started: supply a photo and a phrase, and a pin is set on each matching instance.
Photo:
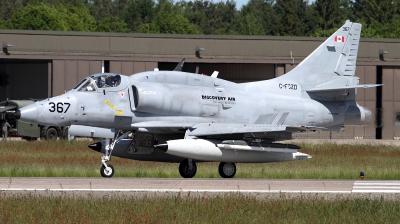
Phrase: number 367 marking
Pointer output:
(59, 107)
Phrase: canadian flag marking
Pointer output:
(339, 38)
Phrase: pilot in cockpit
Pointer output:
(103, 81)
(117, 80)
(100, 82)
(113, 81)
(109, 80)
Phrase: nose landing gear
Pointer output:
(107, 170)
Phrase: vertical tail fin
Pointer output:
(346, 65)
(335, 57)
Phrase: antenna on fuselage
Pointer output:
(180, 65)
(215, 74)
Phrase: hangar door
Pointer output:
(390, 102)
(233, 72)
(23, 79)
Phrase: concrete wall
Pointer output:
(131, 67)
(68, 73)
(233, 72)
(253, 49)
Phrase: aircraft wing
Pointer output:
(223, 129)
(210, 128)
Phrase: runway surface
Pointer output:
(168, 187)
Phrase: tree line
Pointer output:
(380, 18)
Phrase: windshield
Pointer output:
(88, 86)
(98, 81)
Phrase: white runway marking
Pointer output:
(376, 187)
(212, 186)
(177, 190)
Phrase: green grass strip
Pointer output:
(75, 159)
(178, 209)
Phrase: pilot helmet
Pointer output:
(100, 81)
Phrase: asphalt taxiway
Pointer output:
(139, 187)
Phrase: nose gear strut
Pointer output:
(107, 170)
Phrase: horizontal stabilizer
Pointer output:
(321, 89)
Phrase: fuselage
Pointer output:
(183, 97)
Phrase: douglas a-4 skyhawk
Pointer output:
(174, 116)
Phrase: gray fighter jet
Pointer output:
(174, 116)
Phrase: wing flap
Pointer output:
(161, 124)
(223, 128)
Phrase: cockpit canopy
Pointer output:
(99, 81)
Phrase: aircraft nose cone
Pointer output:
(163, 147)
(27, 113)
(96, 146)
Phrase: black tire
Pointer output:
(51, 134)
(227, 170)
(185, 171)
(107, 172)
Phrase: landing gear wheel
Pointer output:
(51, 134)
(186, 169)
(227, 170)
(107, 172)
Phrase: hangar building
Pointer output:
(42, 64)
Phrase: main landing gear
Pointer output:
(107, 170)
(188, 168)
(227, 170)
